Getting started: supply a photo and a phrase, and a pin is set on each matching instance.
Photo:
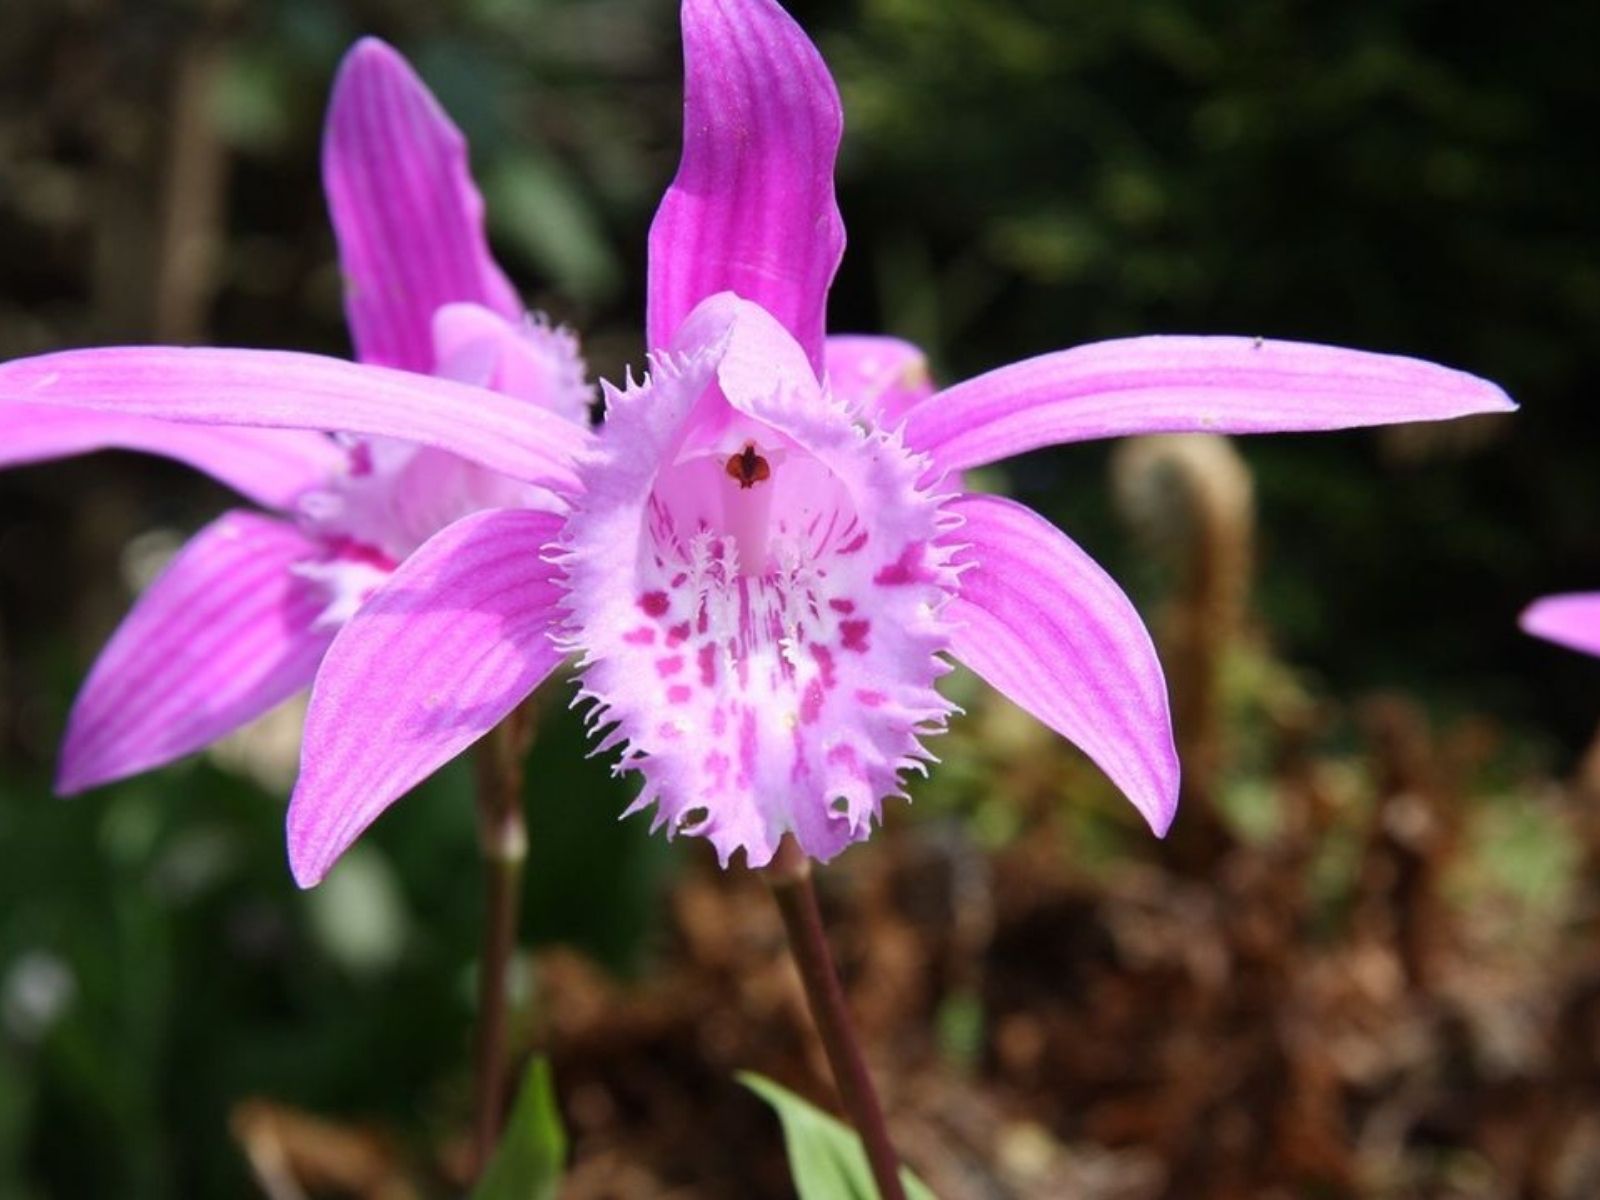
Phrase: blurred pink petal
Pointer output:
(284, 389)
(752, 209)
(408, 218)
(1571, 620)
(527, 358)
(883, 378)
(269, 466)
(1185, 385)
(455, 640)
(1041, 622)
(224, 634)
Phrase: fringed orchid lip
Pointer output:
(760, 609)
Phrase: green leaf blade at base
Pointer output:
(528, 1163)
(826, 1158)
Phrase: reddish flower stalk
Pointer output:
(789, 876)
(503, 837)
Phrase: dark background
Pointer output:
(1018, 176)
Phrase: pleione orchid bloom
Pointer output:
(1571, 620)
(768, 558)
(241, 618)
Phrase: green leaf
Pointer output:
(825, 1158)
(527, 1164)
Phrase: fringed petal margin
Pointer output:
(528, 358)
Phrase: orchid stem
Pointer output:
(789, 876)
(503, 837)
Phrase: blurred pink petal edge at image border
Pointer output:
(1571, 620)
(768, 555)
(240, 619)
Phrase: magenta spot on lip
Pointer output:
(680, 579)
(871, 699)
(703, 622)
(707, 658)
(679, 693)
(801, 770)
(360, 458)
(854, 544)
(351, 550)
(824, 658)
(668, 731)
(842, 606)
(678, 634)
(906, 569)
(717, 768)
(655, 604)
(853, 635)
(747, 744)
(670, 665)
(642, 636)
(811, 703)
(842, 755)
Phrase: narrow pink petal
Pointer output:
(882, 378)
(408, 219)
(1572, 620)
(269, 466)
(1040, 621)
(222, 636)
(1185, 385)
(454, 641)
(752, 209)
(283, 389)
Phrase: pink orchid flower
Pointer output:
(768, 554)
(241, 618)
(1571, 620)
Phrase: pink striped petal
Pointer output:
(1040, 621)
(752, 209)
(408, 219)
(1185, 385)
(222, 636)
(283, 389)
(452, 643)
(269, 466)
(882, 378)
(1572, 620)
